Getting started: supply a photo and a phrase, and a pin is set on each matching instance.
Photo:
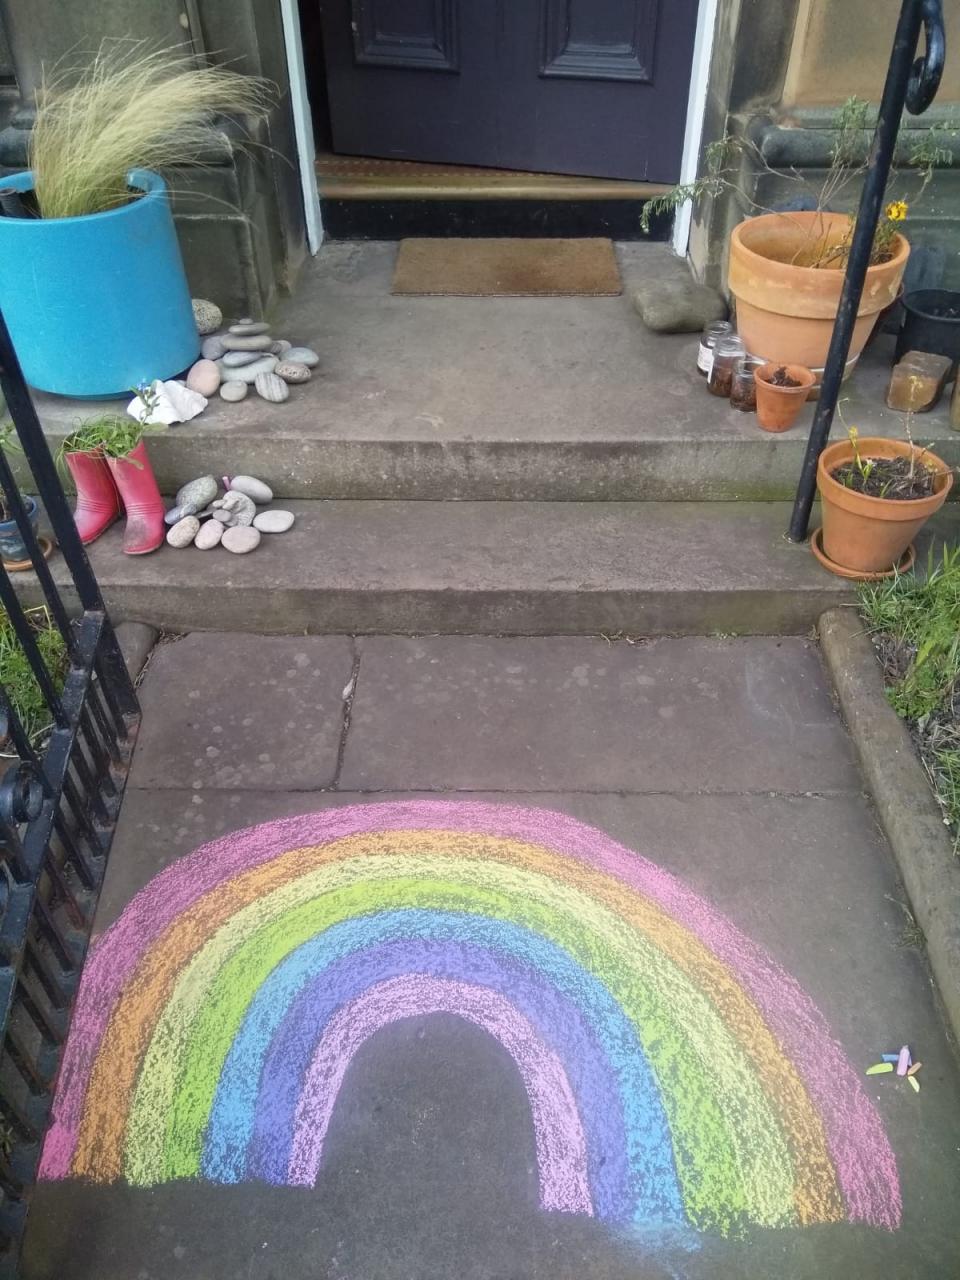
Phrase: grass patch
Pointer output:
(916, 627)
(17, 677)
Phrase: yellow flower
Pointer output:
(897, 210)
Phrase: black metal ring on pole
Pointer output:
(911, 83)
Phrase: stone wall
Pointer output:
(779, 74)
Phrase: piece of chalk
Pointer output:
(914, 1068)
(903, 1061)
(915, 1082)
(879, 1068)
(890, 1057)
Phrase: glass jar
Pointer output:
(743, 389)
(708, 340)
(726, 353)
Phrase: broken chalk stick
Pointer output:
(879, 1068)
(915, 1082)
(914, 1068)
(890, 1057)
(903, 1062)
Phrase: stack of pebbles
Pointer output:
(246, 356)
(203, 519)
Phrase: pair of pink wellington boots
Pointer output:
(108, 486)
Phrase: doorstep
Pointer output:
(536, 399)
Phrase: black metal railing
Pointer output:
(914, 84)
(58, 808)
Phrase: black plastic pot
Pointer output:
(931, 322)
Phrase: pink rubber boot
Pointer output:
(98, 503)
(134, 478)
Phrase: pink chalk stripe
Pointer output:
(865, 1164)
(561, 1144)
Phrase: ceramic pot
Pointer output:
(778, 407)
(869, 535)
(786, 310)
(12, 547)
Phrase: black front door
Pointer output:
(556, 86)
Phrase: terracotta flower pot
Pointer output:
(869, 535)
(786, 310)
(778, 407)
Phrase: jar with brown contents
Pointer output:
(743, 391)
(726, 354)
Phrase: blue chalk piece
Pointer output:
(890, 1057)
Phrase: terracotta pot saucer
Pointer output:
(19, 566)
(904, 565)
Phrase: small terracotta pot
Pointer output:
(869, 535)
(778, 407)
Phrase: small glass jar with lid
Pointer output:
(712, 331)
(726, 353)
(743, 388)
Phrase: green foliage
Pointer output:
(113, 435)
(919, 620)
(129, 107)
(724, 170)
(17, 677)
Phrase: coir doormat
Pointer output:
(507, 268)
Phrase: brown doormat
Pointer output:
(507, 268)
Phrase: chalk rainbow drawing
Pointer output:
(677, 1077)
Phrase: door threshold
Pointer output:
(367, 178)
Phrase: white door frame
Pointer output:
(306, 150)
(696, 109)
(302, 122)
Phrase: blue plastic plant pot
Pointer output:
(98, 304)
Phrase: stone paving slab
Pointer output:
(692, 714)
(228, 710)
(431, 1169)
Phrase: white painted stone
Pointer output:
(302, 355)
(270, 387)
(255, 489)
(183, 532)
(204, 378)
(248, 328)
(291, 372)
(252, 342)
(241, 539)
(233, 390)
(248, 372)
(212, 348)
(207, 315)
(274, 521)
(209, 535)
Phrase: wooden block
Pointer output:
(917, 382)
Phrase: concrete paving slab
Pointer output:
(495, 399)
(689, 714)
(233, 711)
(430, 1169)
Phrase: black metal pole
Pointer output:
(907, 83)
(44, 469)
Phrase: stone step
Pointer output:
(493, 568)
(497, 399)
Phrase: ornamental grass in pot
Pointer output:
(876, 495)
(92, 284)
(786, 268)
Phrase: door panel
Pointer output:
(563, 86)
(417, 34)
(599, 39)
